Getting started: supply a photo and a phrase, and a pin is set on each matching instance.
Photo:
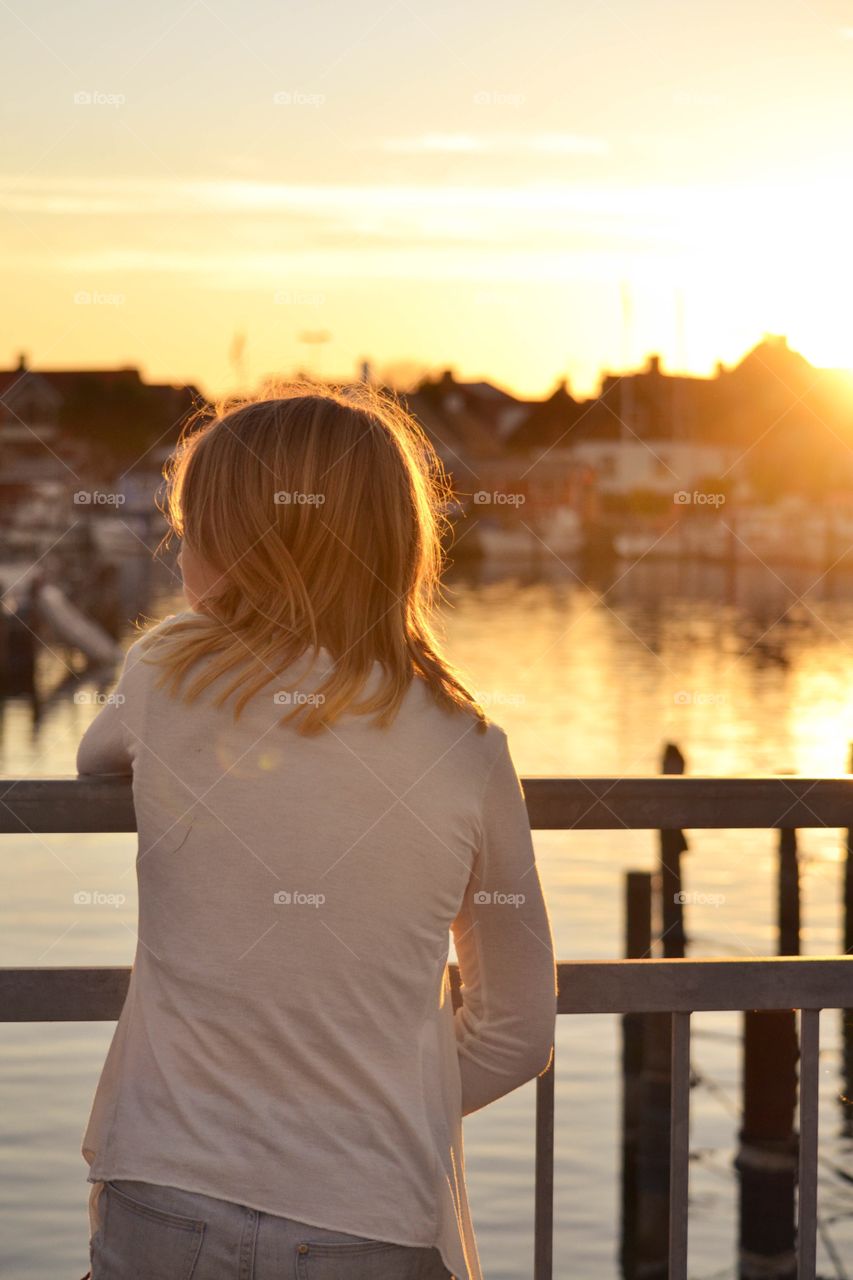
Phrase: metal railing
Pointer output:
(678, 987)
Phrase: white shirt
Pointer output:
(288, 1041)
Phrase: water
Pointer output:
(746, 675)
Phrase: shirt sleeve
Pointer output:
(502, 934)
(104, 747)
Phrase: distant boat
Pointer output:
(116, 537)
(559, 533)
(631, 546)
(23, 596)
(73, 628)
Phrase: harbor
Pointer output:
(673, 653)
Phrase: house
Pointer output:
(105, 418)
(29, 430)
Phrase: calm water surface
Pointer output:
(746, 675)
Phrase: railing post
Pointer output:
(638, 945)
(809, 1105)
(847, 1014)
(767, 1155)
(789, 894)
(653, 1173)
(543, 1227)
(679, 1149)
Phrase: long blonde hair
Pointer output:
(322, 509)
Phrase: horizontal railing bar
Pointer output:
(46, 805)
(585, 986)
(697, 985)
(672, 803)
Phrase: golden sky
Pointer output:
(522, 192)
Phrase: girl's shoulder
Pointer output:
(147, 638)
(153, 633)
(481, 740)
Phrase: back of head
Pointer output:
(317, 512)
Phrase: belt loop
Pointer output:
(247, 1244)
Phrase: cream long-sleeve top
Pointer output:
(288, 1040)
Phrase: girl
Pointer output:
(320, 800)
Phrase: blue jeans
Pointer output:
(151, 1232)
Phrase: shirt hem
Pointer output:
(277, 1213)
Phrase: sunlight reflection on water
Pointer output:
(585, 681)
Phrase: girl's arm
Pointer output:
(502, 935)
(104, 746)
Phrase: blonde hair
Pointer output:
(322, 510)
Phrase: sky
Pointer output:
(218, 191)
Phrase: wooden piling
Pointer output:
(767, 1156)
(17, 654)
(672, 845)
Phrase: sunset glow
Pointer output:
(427, 192)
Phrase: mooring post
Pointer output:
(767, 1156)
(672, 845)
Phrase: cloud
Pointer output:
(496, 144)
